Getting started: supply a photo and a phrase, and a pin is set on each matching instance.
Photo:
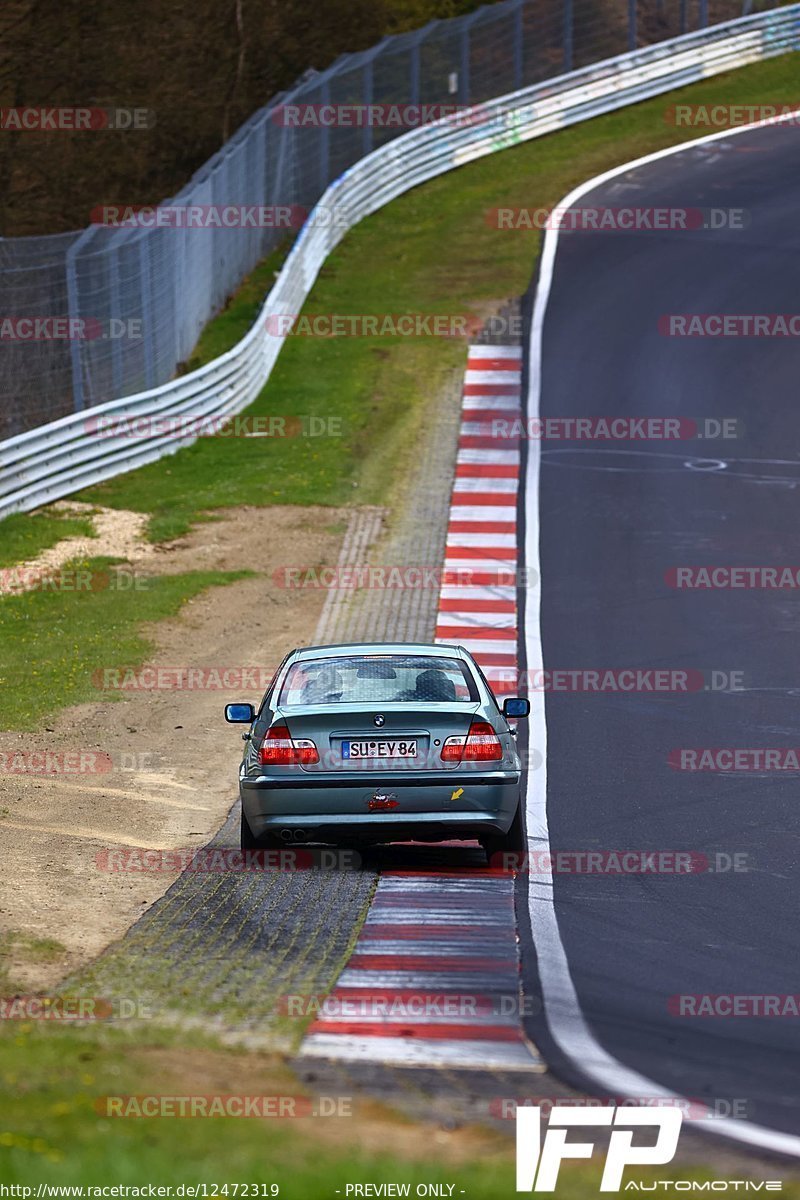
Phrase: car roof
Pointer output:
(426, 649)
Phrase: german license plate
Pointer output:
(394, 748)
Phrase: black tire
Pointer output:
(247, 839)
(512, 842)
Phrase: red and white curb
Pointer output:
(433, 980)
(478, 599)
(434, 977)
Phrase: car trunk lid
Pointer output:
(384, 738)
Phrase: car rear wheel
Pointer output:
(512, 842)
(249, 841)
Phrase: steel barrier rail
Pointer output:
(64, 456)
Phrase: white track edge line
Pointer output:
(560, 999)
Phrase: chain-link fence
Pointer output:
(91, 316)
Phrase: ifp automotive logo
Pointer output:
(539, 1160)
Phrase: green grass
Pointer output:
(23, 536)
(53, 1128)
(50, 1129)
(430, 251)
(52, 642)
(16, 947)
(239, 313)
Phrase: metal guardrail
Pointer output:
(69, 454)
(139, 293)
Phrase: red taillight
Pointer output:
(280, 749)
(480, 745)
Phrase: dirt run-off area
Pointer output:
(174, 760)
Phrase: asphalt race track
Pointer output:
(615, 519)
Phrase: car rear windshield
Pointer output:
(378, 679)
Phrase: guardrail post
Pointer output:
(325, 141)
(264, 240)
(518, 35)
(366, 132)
(703, 13)
(178, 291)
(416, 61)
(116, 349)
(241, 371)
(568, 16)
(414, 66)
(147, 312)
(631, 24)
(683, 16)
(369, 93)
(463, 73)
(74, 312)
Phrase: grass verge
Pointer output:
(239, 313)
(24, 536)
(16, 947)
(431, 251)
(53, 642)
(54, 1127)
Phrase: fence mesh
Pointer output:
(130, 302)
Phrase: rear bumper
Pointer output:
(429, 809)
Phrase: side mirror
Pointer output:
(515, 706)
(240, 714)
